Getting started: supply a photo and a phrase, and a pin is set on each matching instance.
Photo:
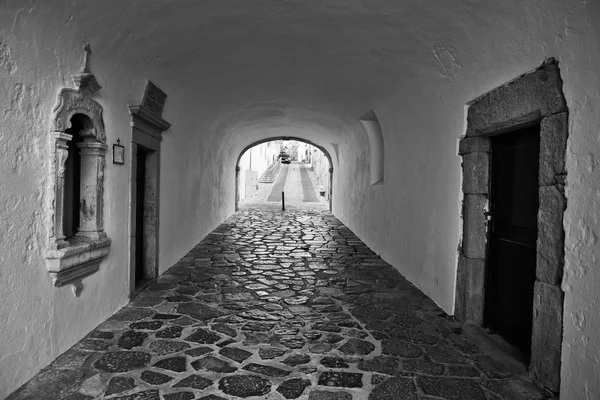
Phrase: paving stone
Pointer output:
(212, 397)
(446, 355)
(258, 326)
(180, 396)
(286, 331)
(119, 384)
(155, 378)
(258, 315)
(327, 327)
(400, 349)
(357, 347)
(101, 335)
(451, 388)
(203, 336)
(293, 388)
(145, 395)
(268, 353)
(341, 379)
(397, 388)
(131, 339)
(463, 371)
(334, 362)
(172, 332)
(78, 396)
(376, 379)
(314, 335)
(266, 370)
(381, 364)
(225, 342)
(198, 351)
(194, 382)
(199, 311)
(146, 325)
(235, 354)
(291, 342)
(72, 359)
(319, 348)
(122, 361)
(332, 338)
(131, 314)
(164, 347)
(94, 344)
(296, 359)
(175, 364)
(423, 366)
(212, 363)
(244, 385)
(327, 395)
(296, 300)
(166, 316)
(224, 329)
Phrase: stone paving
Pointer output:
(278, 305)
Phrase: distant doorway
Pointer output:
(513, 234)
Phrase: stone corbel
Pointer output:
(69, 265)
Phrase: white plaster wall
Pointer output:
(238, 71)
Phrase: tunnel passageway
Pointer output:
(278, 305)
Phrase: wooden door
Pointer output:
(513, 234)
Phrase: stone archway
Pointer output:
(533, 98)
(237, 168)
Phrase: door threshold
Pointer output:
(140, 286)
(496, 347)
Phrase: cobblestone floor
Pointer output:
(276, 305)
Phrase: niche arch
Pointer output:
(237, 164)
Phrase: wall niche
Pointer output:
(76, 239)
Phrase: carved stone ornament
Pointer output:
(79, 101)
(69, 262)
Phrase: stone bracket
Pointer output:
(70, 265)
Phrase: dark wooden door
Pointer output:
(140, 184)
(513, 236)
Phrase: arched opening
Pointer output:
(278, 154)
(81, 128)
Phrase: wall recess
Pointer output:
(76, 239)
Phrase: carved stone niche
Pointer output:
(70, 260)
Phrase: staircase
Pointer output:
(271, 173)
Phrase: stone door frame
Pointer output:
(533, 98)
(146, 132)
(237, 165)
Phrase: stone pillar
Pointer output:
(470, 283)
(92, 190)
(57, 237)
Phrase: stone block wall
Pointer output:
(535, 97)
